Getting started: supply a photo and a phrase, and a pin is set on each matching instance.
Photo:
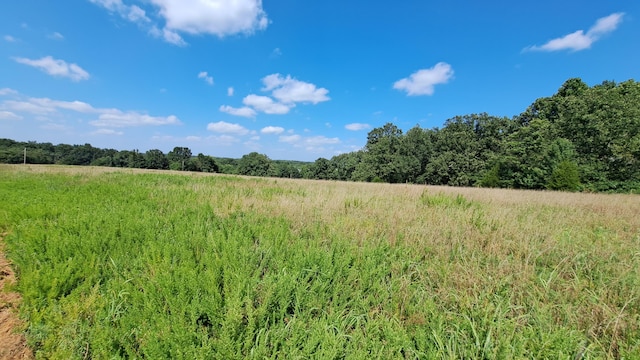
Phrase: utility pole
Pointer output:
(24, 161)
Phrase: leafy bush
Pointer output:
(565, 176)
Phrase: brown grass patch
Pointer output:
(14, 345)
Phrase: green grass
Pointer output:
(138, 265)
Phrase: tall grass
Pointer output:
(151, 265)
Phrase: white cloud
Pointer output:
(223, 140)
(117, 118)
(265, 104)
(274, 130)
(204, 75)
(78, 106)
(290, 139)
(8, 115)
(7, 91)
(45, 106)
(56, 67)
(357, 126)
(107, 132)
(28, 107)
(422, 81)
(138, 16)
(106, 117)
(276, 53)
(56, 36)
(320, 140)
(289, 90)
(579, 40)
(308, 142)
(217, 17)
(243, 111)
(169, 36)
(9, 38)
(227, 128)
(132, 13)
(606, 24)
(55, 127)
(313, 144)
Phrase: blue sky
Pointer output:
(294, 80)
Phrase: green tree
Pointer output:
(320, 169)
(156, 159)
(178, 157)
(136, 160)
(255, 164)
(207, 163)
(565, 176)
(382, 156)
(344, 165)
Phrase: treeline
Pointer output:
(580, 139)
(180, 158)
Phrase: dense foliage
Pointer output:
(581, 138)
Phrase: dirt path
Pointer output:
(14, 345)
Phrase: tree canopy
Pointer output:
(581, 138)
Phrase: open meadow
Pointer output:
(119, 263)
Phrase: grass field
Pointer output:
(133, 264)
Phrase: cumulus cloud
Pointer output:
(8, 115)
(131, 13)
(216, 17)
(107, 117)
(41, 106)
(172, 37)
(579, 40)
(78, 106)
(289, 90)
(26, 106)
(117, 118)
(422, 82)
(56, 67)
(320, 140)
(137, 15)
(313, 144)
(357, 126)
(290, 139)
(272, 130)
(243, 111)
(308, 142)
(223, 140)
(7, 91)
(169, 36)
(205, 76)
(107, 132)
(227, 128)
(265, 104)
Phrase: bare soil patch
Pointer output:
(14, 345)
